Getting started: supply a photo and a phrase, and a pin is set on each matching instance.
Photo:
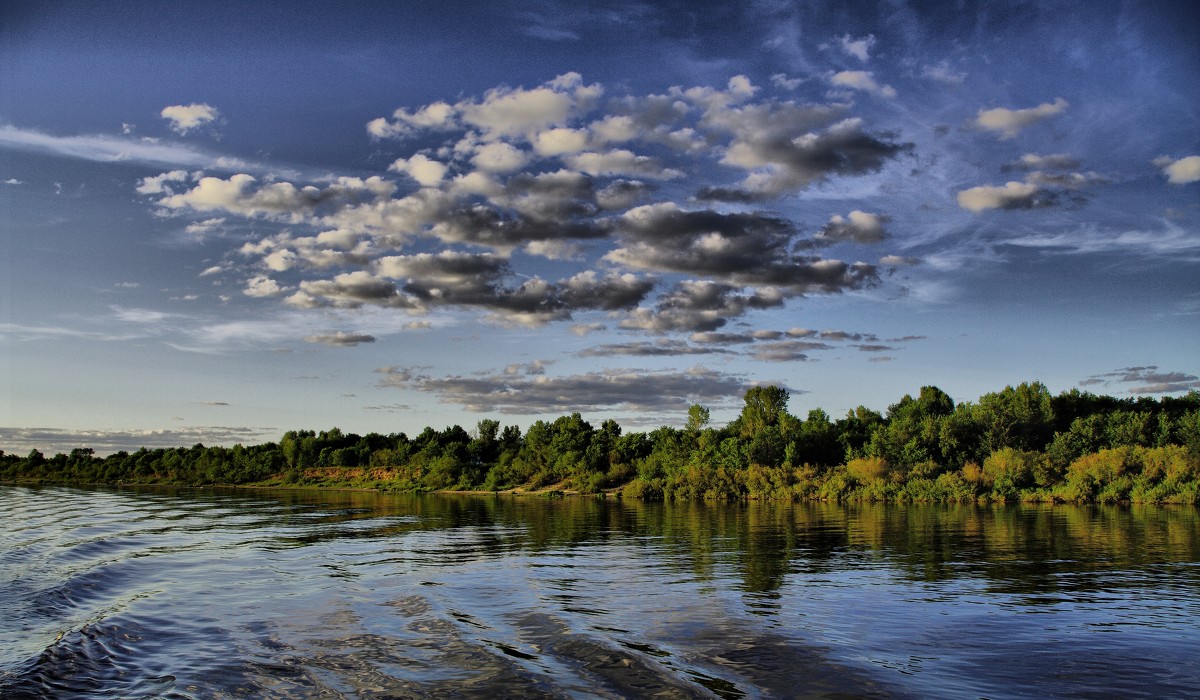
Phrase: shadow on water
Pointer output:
(301, 593)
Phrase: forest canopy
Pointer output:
(1017, 444)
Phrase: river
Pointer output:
(190, 593)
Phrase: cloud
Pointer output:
(858, 48)
(260, 286)
(14, 181)
(862, 80)
(637, 390)
(1034, 161)
(214, 403)
(1180, 172)
(858, 226)
(779, 161)
(554, 172)
(787, 350)
(621, 162)
(898, 261)
(105, 442)
(735, 248)
(185, 118)
(340, 339)
(943, 73)
(242, 194)
(105, 149)
(1012, 195)
(698, 306)
(1146, 380)
(1168, 241)
(662, 347)
(1009, 122)
(427, 172)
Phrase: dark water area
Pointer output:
(296, 594)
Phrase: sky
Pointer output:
(222, 221)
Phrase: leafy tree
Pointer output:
(765, 406)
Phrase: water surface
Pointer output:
(281, 594)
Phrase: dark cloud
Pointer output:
(340, 339)
(787, 350)
(1146, 380)
(481, 281)
(486, 226)
(623, 194)
(698, 306)
(737, 248)
(663, 347)
(858, 226)
(779, 161)
(869, 347)
(604, 390)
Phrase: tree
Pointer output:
(765, 406)
(698, 417)
(1020, 417)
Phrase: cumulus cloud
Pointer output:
(185, 118)
(554, 171)
(340, 339)
(736, 248)
(1012, 195)
(1180, 172)
(1009, 122)
(261, 286)
(857, 226)
(639, 390)
(621, 162)
(426, 171)
(862, 80)
(697, 306)
(781, 162)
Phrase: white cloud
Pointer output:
(863, 80)
(858, 226)
(426, 171)
(1180, 172)
(499, 157)
(1012, 195)
(560, 140)
(620, 162)
(262, 286)
(943, 73)
(185, 118)
(1009, 122)
(858, 48)
(13, 181)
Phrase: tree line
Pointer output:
(1017, 444)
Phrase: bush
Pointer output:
(867, 469)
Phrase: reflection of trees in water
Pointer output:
(1018, 549)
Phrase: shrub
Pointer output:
(867, 469)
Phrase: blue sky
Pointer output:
(219, 222)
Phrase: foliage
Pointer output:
(1020, 443)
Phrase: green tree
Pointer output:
(765, 406)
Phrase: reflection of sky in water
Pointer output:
(293, 593)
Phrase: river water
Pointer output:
(296, 594)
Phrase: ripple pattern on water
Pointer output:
(230, 594)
